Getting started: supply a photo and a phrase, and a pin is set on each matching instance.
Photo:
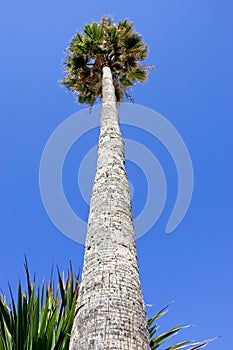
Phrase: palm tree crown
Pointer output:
(117, 46)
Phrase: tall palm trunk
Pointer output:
(110, 311)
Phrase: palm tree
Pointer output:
(104, 62)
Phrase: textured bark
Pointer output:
(111, 312)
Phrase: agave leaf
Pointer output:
(61, 286)
(161, 313)
(164, 337)
(20, 320)
(178, 346)
(14, 312)
(6, 342)
(29, 284)
(5, 335)
(51, 324)
(202, 344)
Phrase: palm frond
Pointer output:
(157, 341)
(105, 43)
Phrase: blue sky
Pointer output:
(191, 43)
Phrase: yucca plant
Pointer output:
(156, 341)
(42, 318)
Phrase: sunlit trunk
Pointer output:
(110, 311)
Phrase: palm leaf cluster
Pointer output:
(156, 341)
(42, 318)
(117, 46)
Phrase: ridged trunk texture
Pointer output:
(111, 312)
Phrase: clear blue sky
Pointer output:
(191, 42)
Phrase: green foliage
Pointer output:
(42, 317)
(158, 340)
(117, 46)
